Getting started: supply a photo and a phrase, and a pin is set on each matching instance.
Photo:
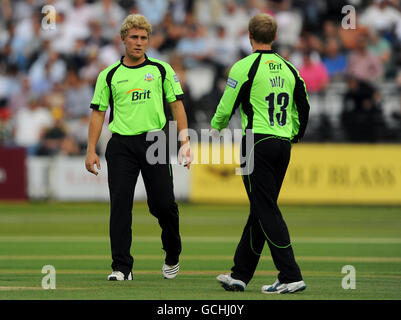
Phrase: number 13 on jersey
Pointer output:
(282, 102)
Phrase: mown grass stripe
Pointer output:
(202, 258)
(6, 288)
(306, 273)
(197, 239)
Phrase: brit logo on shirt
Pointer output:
(274, 66)
(149, 77)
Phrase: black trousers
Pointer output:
(126, 157)
(265, 223)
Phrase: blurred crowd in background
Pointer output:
(47, 76)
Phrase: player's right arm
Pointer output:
(95, 129)
(231, 98)
(99, 105)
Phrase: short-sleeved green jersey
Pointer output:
(136, 95)
(270, 93)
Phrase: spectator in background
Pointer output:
(17, 43)
(396, 115)
(55, 100)
(61, 39)
(312, 13)
(22, 10)
(234, 19)
(93, 66)
(362, 117)
(254, 7)
(179, 9)
(6, 11)
(51, 142)
(78, 96)
(64, 6)
(28, 11)
(11, 51)
(330, 30)
(30, 124)
(155, 43)
(96, 38)
(398, 31)
(289, 23)
(5, 124)
(111, 53)
(193, 46)
(10, 85)
(224, 52)
(306, 43)
(317, 79)
(46, 70)
(285, 52)
(331, 9)
(398, 81)
(153, 10)
(171, 32)
(380, 47)
(79, 132)
(35, 60)
(78, 18)
(334, 60)
(314, 74)
(380, 16)
(362, 64)
(34, 43)
(109, 15)
(207, 12)
(78, 57)
(57, 141)
(20, 98)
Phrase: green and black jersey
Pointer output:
(136, 95)
(270, 93)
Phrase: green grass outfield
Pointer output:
(73, 237)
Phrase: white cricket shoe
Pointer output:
(278, 287)
(170, 272)
(230, 284)
(119, 276)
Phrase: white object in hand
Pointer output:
(214, 133)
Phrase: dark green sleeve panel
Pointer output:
(301, 101)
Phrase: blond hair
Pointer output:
(136, 21)
(263, 28)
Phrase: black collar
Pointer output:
(137, 66)
(264, 51)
